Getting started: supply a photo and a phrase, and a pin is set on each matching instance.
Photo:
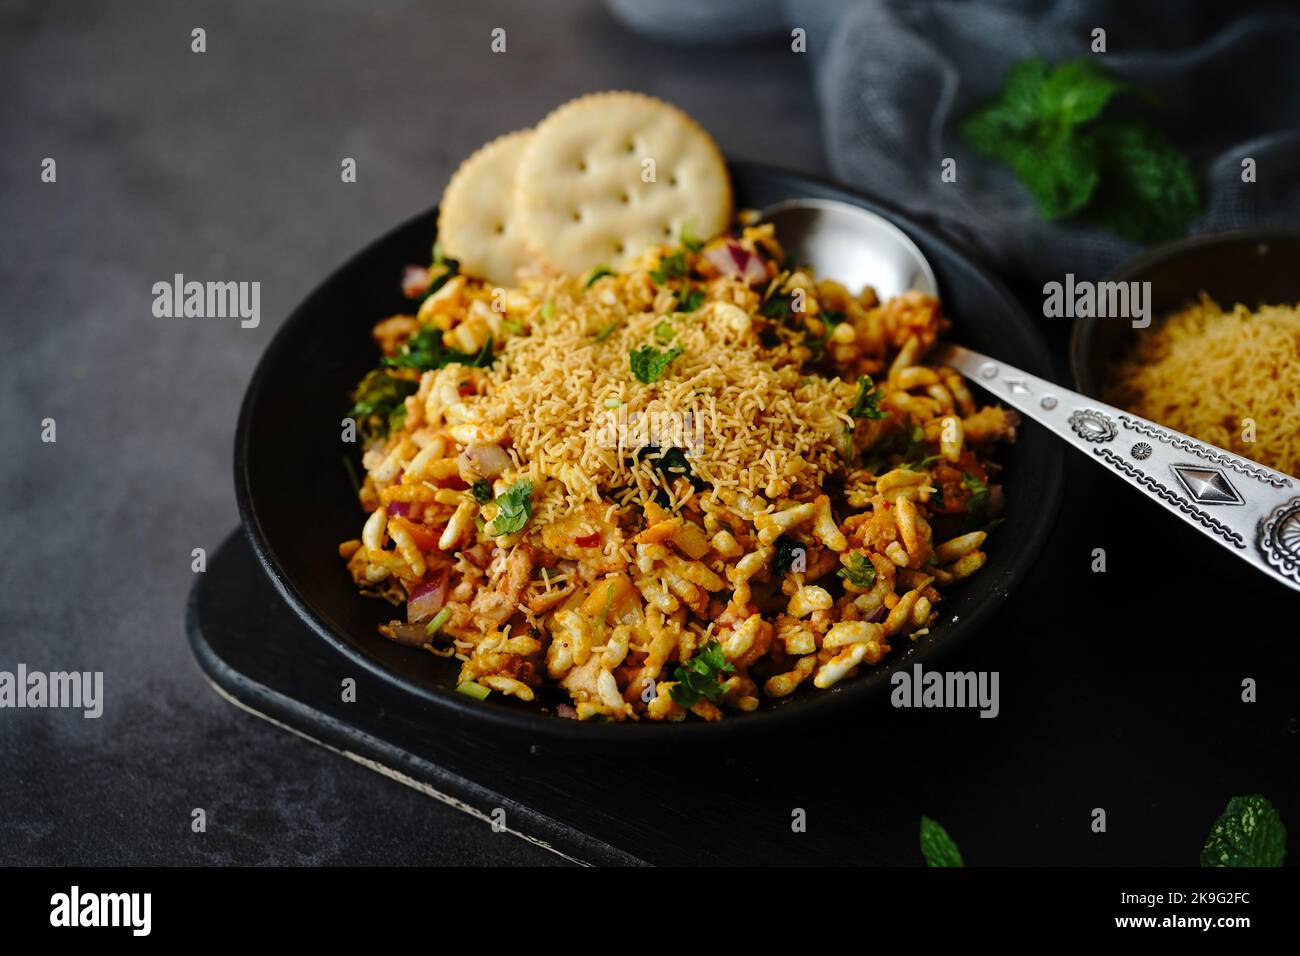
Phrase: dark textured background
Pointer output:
(225, 165)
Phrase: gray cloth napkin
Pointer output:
(893, 78)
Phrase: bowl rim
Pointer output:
(1081, 333)
(540, 724)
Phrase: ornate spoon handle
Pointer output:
(1251, 510)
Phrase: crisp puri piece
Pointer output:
(476, 223)
(707, 479)
(609, 175)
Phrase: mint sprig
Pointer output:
(1047, 125)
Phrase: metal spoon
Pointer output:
(1251, 510)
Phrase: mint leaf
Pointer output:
(937, 847)
(1248, 833)
(648, 363)
(1045, 124)
(699, 677)
(1148, 190)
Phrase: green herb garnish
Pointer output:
(866, 404)
(689, 300)
(607, 331)
(977, 505)
(447, 267)
(937, 847)
(859, 572)
(665, 332)
(515, 505)
(689, 242)
(788, 551)
(598, 273)
(438, 621)
(1249, 832)
(379, 403)
(671, 266)
(482, 491)
(648, 363)
(699, 678)
(471, 689)
(1046, 125)
(426, 350)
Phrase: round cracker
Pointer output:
(476, 224)
(581, 195)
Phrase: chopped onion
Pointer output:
(735, 261)
(482, 460)
(400, 509)
(415, 280)
(471, 689)
(878, 615)
(425, 599)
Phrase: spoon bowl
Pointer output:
(853, 244)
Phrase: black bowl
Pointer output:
(297, 502)
(1254, 267)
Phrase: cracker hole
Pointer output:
(672, 180)
(618, 248)
(582, 165)
(668, 231)
(631, 146)
(577, 215)
(625, 199)
(501, 228)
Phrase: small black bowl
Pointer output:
(1254, 267)
(297, 503)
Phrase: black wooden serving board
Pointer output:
(1118, 690)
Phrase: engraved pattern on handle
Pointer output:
(1252, 510)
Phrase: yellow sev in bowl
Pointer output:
(1231, 378)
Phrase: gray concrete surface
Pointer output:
(225, 165)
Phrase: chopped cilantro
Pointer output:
(672, 463)
(689, 242)
(426, 350)
(977, 505)
(867, 402)
(548, 310)
(859, 572)
(379, 403)
(482, 491)
(689, 300)
(648, 363)
(700, 677)
(791, 555)
(671, 266)
(665, 332)
(515, 507)
(607, 331)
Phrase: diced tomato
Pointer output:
(587, 540)
(425, 538)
